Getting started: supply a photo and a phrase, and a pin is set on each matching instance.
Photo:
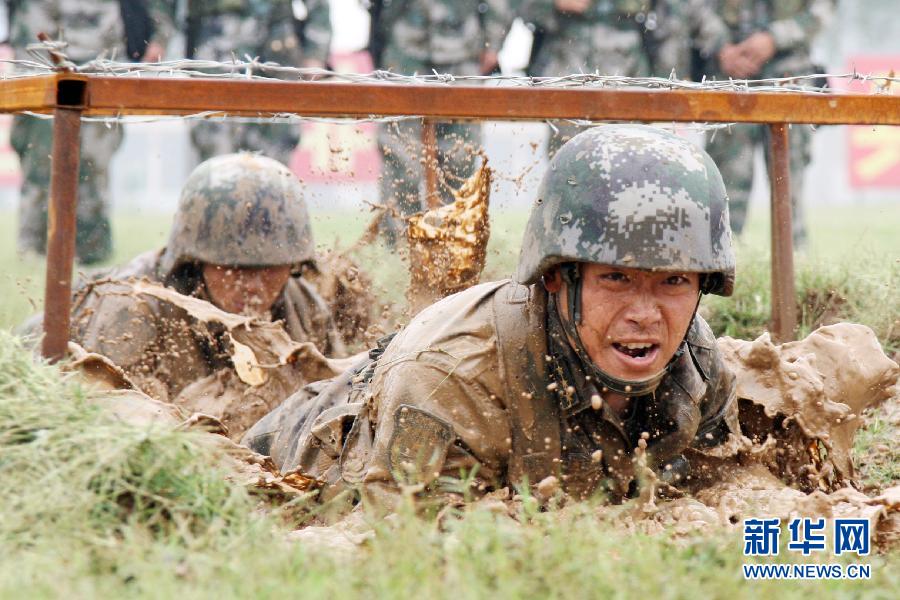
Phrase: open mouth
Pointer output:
(637, 350)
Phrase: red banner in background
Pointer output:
(874, 152)
(330, 152)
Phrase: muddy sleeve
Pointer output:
(797, 30)
(119, 326)
(431, 424)
(718, 408)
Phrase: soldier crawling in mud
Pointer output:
(240, 238)
(595, 349)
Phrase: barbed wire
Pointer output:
(49, 57)
(46, 53)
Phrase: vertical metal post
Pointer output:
(429, 142)
(784, 310)
(61, 230)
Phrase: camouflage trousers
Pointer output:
(274, 140)
(32, 139)
(249, 31)
(733, 149)
(403, 153)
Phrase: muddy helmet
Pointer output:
(631, 196)
(242, 210)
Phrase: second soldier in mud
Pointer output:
(593, 352)
(239, 241)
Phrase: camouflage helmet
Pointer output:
(243, 210)
(631, 196)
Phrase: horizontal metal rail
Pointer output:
(113, 96)
(68, 95)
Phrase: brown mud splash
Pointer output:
(448, 245)
(267, 365)
(809, 396)
(808, 388)
(798, 402)
(347, 289)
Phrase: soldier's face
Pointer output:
(633, 320)
(245, 290)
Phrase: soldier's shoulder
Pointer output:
(701, 342)
(143, 265)
(456, 333)
(117, 324)
(458, 313)
(701, 334)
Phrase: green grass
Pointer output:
(95, 507)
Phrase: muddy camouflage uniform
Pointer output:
(242, 210)
(422, 36)
(91, 29)
(793, 25)
(221, 30)
(487, 378)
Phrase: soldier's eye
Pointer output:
(676, 280)
(616, 276)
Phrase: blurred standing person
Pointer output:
(682, 37)
(459, 37)
(294, 34)
(584, 36)
(90, 29)
(768, 39)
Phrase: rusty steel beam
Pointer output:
(784, 308)
(160, 96)
(429, 149)
(37, 94)
(61, 231)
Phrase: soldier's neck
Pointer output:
(618, 403)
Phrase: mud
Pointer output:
(800, 408)
(347, 289)
(448, 245)
(267, 365)
(801, 405)
(809, 397)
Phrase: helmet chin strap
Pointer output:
(571, 274)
